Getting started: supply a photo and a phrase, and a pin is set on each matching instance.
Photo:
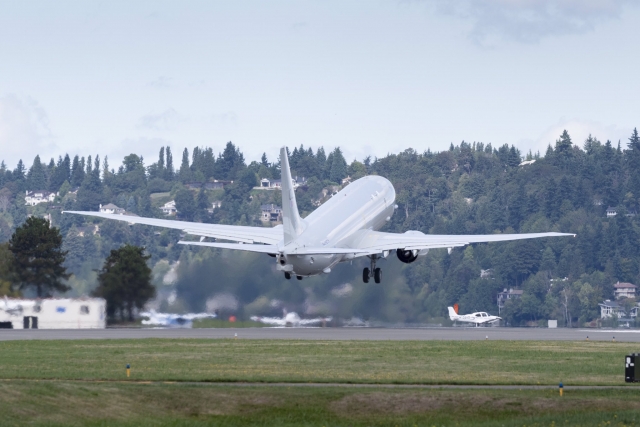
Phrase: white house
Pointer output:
(53, 313)
(527, 162)
(274, 184)
(624, 290)
(611, 212)
(32, 198)
(111, 209)
(610, 309)
(169, 208)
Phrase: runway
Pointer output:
(373, 334)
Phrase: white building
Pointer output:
(624, 290)
(111, 209)
(53, 313)
(611, 212)
(169, 208)
(275, 184)
(610, 309)
(32, 198)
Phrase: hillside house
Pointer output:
(110, 208)
(506, 295)
(273, 184)
(611, 212)
(271, 212)
(624, 290)
(33, 198)
(610, 309)
(169, 208)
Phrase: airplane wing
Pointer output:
(269, 320)
(306, 322)
(273, 249)
(376, 241)
(234, 233)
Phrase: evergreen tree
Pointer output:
(169, 172)
(633, 154)
(77, 172)
(36, 178)
(185, 170)
(185, 204)
(38, 258)
(125, 281)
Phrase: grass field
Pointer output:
(383, 362)
(65, 403)
(173, 382)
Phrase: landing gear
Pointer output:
(299, 277)
(373, 271)
(287, 275)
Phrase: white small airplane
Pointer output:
(291, 319)
(153, 318)
(479, 318)
(341, 229)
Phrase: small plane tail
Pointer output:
(293, 225)
(452, 313)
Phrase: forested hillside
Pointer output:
(472, 188)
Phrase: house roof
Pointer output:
(269, 207)
(611, 304)
(109, 206)
(624, 286)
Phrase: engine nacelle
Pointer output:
(407, 256)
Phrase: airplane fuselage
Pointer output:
(365, 204)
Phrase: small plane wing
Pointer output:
(235, 233)
(416, 240)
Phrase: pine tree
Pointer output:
(185, 171)
(125, 281)
(38, 258)
(36, 178)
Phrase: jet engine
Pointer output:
(407, 256)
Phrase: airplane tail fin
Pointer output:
(452, 313)
(292, 223)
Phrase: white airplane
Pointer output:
(290, 319)
(154, 318)
(342, 229)
(479, 318)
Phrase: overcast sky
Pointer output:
(372, 77)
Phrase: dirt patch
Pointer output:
(361, 404)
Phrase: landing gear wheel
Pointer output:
(299, 277)
(377, 275)
(287, 275)
(366, 273)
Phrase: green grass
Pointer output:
(381, 362)
(221, 323)
(63, 403)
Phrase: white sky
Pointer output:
(373, 77)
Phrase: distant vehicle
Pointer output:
(478, 318)
(340, 230)
(291, 319)
(172, 320)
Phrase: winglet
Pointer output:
(292, 223)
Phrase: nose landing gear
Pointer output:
(374, 271)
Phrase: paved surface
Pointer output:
(454, 334)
